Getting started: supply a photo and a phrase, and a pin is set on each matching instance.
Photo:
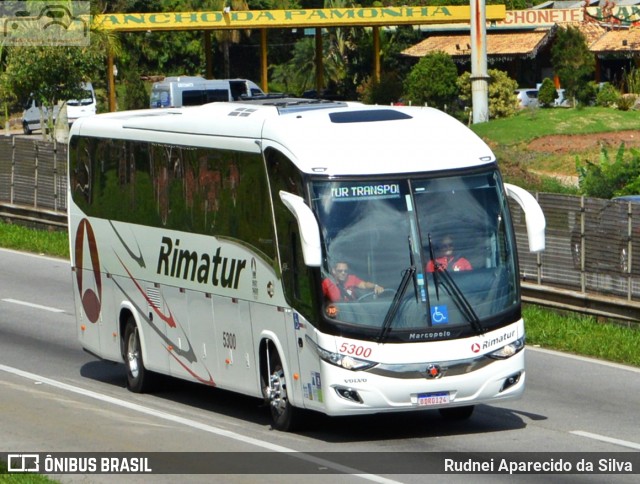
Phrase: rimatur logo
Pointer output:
(23, 463)
(91, 297)
(475, 347)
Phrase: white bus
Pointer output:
(201, 239)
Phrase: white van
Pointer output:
(174, 92)
(76, 108)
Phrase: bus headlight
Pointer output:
(343, 361)
(507, 351)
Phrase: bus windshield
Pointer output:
(419, 258)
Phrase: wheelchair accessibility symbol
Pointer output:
(439, 315)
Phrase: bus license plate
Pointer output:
(438, 398)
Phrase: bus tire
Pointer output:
(138, 378)
(25, 128)
(284, 416)
(457, 413)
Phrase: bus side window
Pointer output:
(80, 173)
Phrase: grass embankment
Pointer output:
(51, 243)
(582, 335)
(531, 124)
(509, 138)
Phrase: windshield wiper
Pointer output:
(454, 291)
(395, 304)
(461, 300)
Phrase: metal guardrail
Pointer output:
(587, 303)
(34, 216)
(33, 173)
(588, 266)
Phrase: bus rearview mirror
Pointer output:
(534, 215)
(308, 226)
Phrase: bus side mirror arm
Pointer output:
(308, 226)
(536, 223)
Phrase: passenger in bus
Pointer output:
(342, 285)
(446, 259)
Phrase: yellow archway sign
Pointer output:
(319, 17)
(265, 19)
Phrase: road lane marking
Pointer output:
(196, 425)
(35, 306)
(602, 438)
(587, 359)
(38, 256)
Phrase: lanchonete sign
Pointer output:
(624, 16)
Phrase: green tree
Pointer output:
(159, 52)
(432, 81)
(136, 95)
(608, 95)
(385, 91)
(52, 74)
(547, 93)
(502, 100)
(571, 59)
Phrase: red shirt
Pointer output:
(335, 292)
(450, 263)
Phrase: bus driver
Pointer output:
(446, 259)
(341, 287)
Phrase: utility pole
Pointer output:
(479, 76)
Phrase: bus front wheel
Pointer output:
(283, 415)
(138, 378)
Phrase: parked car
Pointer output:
(611, 234)
(527, 97)
(76, 108)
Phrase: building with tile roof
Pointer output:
(521, 43)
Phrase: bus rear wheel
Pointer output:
(284, 416)
(138, 378)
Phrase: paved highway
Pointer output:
(56, 398)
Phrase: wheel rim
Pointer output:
(278, 392)
(133, 355)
